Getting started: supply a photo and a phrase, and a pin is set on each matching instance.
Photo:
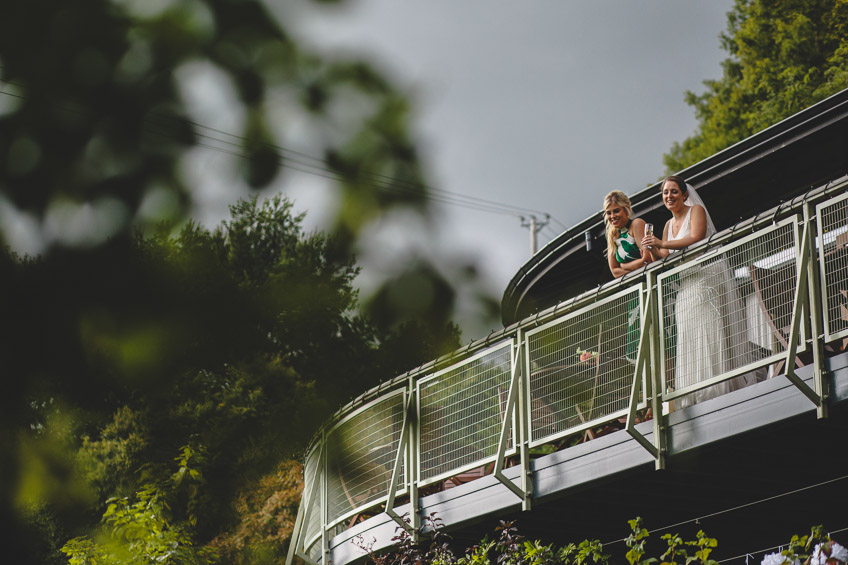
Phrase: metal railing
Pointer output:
(580, 366)
(360, 453)
(722, 315)
(727, 313)
(461, 411)
(832, 218)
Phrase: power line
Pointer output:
(448, 196)
(734, 508)
(549, 232)
(317, 166)
(311, 165)
(336, 176)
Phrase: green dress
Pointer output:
(627, 250)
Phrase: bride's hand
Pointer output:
(651, 242)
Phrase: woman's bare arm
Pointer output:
(652, 243)
(697, 232)
(621, 269)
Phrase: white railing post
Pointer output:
(800, 307)
(408, 416)
(411, 470)
(295, 536)
(306, 498)
(524, 427)
(524, 492)
(642, 365)
(814, 306)
(655, 373)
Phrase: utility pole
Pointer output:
(535, 227)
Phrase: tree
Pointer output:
(236, 343)
(153, 526)
(784, 56)
(267, 510)
(137, 344)
(96, 122)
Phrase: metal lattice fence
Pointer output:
(581, 366)
(315, 552)
(360, 457)
(312, 472)
(461, 412)
(727, 314)
(833, 252)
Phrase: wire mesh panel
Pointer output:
(727, 315)
(461, 411)
(361, 453)
(581, 366)
(312, 475)
(833, 252)
(314, 552)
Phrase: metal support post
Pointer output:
(294, 544)
(524, 431)
(295, 536)
(325, 539)
(816, 323)
(412, 442)
(655, 374)
(800, 308)
(642, 365)
(408, 416)
(523, 492)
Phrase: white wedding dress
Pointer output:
(710, 326)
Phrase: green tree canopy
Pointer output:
(784, 55)
(235, 344)
(120, 350)
(94, 118)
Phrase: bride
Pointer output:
(707, 312)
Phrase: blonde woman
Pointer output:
(624, 254)
(624, 235)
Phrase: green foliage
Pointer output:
(784, 56)
(593, 549)
(705, 546)
(239, 339)
(259, 240)
(149, 528)
(636, 542)
(537, 554)
(478, 554)
(109, 461)
(266, 510)
(242, 340)
(800, 548)
(511, 548)
(99, 116)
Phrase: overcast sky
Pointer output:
(543, 104)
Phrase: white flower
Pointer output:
(818, 558)
(775, 559)
(837, 552)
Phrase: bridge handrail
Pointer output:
(575, 363)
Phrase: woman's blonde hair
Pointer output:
(616, 198)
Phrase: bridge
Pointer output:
(586, 413)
